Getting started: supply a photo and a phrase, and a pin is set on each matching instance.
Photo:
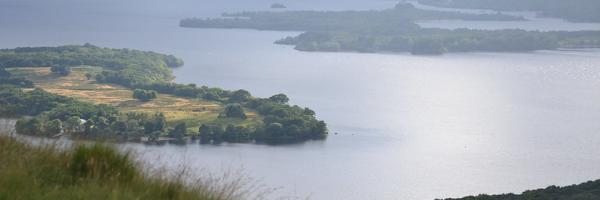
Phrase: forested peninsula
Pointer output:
(395, 30)
(85, 91)
(573, 10)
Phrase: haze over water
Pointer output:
(410, 127)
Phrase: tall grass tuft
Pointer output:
(102, 163)
(93, 171)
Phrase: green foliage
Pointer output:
(282, 124)
(179, 132)
(234, 111)
(586, 191)
(286, 124)
(279, 98)
(144, 95)
(88, 76)
(428, 46)
(398, 20)
(205, 133)
(7, 79)
(575, 10)
(19, 82)
(153, 125)
(53, 127)
(101, 162)
(73, 125)
(4, 73)
(82, 110)
(106, 122)
(16, 102)
(182, 90)
(61, 70)
(394, 30)
(135, 66)
(237, 134)
(240, 96)
(29, 126)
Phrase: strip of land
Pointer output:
(176, 109)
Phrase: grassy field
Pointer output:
(192, 111)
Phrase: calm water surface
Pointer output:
(410, 127)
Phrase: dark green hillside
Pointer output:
(584, 191)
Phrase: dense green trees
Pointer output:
(55, 114)
(7, 79)
(144, 95)
(53, 127)
(234, 110)
(19, 82)
(61, 70)
(133, 65)
(438, 41)
(240, 96)
(179, 132)
(4, 73)
(398, 19)
(29, 126)
(296, 123)
(97, 122)
(428, 46)
(576, 10)
(586, 191)
(16, 102)
(279, 98)
(147, 74)
(395, 30)
(73, 124)
(215, 134)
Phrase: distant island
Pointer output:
(278, 6)
(84, 91)
(585, 191)
(573, 10)
(394, 30)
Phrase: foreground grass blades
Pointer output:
(95, 171)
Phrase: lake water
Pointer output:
(410, 127)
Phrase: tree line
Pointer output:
(574, 10)
(7, 79)
(394, 30)
(585, 191)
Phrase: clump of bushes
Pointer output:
(144, 95)
(61, 70)
(235, 111)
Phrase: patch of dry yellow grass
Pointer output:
(76, 85)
